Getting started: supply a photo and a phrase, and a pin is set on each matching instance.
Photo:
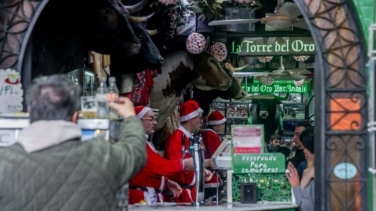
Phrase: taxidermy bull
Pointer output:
(205, 98)
(149, 55)
(61, 40)
(266, 111)
(179, 71)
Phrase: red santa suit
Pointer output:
(211, 138)
(153, 177)
(173, 150)
(149, 183)
(179, 142)
(211, 141)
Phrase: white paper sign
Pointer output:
(247, 138)
(11, 93)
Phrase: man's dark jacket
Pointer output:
(50, 169)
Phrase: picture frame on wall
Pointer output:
(292, 98)
(294, 111)
(237, 110)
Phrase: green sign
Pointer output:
(286, 86)
(259, 163)
(263, 46)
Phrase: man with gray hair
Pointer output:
(49, 168)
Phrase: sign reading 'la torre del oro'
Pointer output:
(254, 46)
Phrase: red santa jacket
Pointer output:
(211, 142)
(173, 150)
(152, 175)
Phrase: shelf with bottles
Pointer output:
(89, 85)
(235, 112)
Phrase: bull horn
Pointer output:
(229, 67)
(235, 69)
(142, 19)
(153, 32)
(136, 7)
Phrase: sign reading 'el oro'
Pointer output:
(261, 46)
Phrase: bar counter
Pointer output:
(234, 206)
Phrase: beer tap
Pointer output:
(197, 153)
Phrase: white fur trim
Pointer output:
(143, 112)
(217, 122)
(191, 115)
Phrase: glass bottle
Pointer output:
(101, 98)
(122, 197)
(112, 95)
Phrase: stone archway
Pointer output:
(340, 90)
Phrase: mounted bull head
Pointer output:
(92, 25)
(135, 7)
(149, 56)
(205, 98)
(104, 27)
(266, 111)
(179, 71)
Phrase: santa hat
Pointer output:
(141, 111)
(216, 118)
(189, 110)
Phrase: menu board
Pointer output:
(247, 138)
(11, 93)
(259, 163)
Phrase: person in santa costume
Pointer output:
(178, 142)
(211, 141)
(152, 181)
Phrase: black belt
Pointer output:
(186, 186)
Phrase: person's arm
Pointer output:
(159, 166)
(294, 180)
(305, 199)
(174, 187)
(128, 155)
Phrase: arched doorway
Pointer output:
(341, 105)
(340, 91)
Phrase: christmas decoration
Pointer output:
(196, 43)
(219, 51)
